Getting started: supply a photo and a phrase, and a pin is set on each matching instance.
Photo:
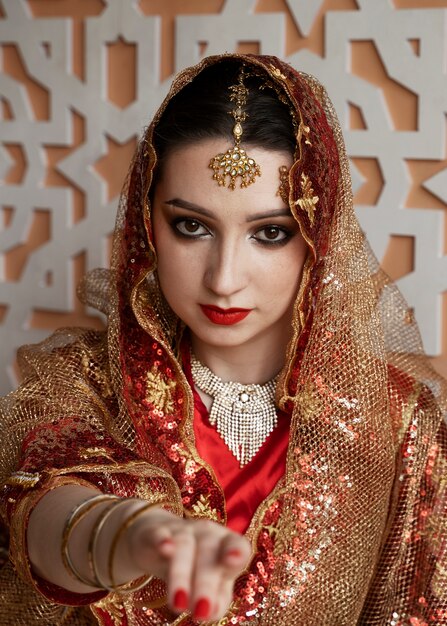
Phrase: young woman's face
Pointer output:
(229, 261)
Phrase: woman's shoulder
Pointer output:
(69, 354)
(65, 342)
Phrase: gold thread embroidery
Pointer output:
(89, 453)
(439, 578)
(114, 607)
(308, 201)
(310, 401)
(304, 130)
(26, 480)
(202, 508)
(158, 391)
(144, 491)
(276, 72)
(283, 189)
(272, 530)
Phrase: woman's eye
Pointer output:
(271, 234)
(190, 227)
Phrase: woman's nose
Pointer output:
(226, 272)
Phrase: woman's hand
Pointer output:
(198, 559)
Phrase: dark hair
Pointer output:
(201, 110)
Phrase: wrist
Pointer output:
(112, 554)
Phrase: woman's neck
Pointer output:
(255, 363)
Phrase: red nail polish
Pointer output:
(234, 553)
(181, 600)
(202, 609)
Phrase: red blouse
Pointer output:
(246, 487)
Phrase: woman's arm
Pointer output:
(198, 559)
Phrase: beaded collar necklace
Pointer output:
(244, 415)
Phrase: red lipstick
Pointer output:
(224, 317)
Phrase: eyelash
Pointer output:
(185, 220)
(287, 234)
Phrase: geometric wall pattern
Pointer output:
(79, 80)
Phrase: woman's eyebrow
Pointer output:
(190, 206)
(266, 214)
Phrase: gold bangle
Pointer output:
(119, 533)
(93, 543)
(77, 514)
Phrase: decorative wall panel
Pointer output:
(80, 79)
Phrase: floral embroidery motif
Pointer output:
(159, 392)
(276, 72)
(311, 402)
(308, 201)
(113, 605)
(272, 530)
(202, 508)
(304, 130)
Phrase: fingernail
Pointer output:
(202, 609)
(181, 600)
(234, 553)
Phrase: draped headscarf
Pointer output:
(355, 532)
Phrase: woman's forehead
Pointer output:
(187, 175)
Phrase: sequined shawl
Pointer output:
(355, 533)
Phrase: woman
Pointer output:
(259, 376)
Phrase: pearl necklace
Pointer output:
(244, 415)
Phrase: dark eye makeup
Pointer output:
(273, 235)
(269, 235)
(189, 228)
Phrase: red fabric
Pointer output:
(247, 487)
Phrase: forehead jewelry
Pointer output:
(244, 415)
(235, 162)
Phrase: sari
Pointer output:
(355, 530)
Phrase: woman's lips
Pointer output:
(224, 317)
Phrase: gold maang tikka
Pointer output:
(235, 163)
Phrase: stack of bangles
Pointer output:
(78, 513)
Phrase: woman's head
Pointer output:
(221, 250)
